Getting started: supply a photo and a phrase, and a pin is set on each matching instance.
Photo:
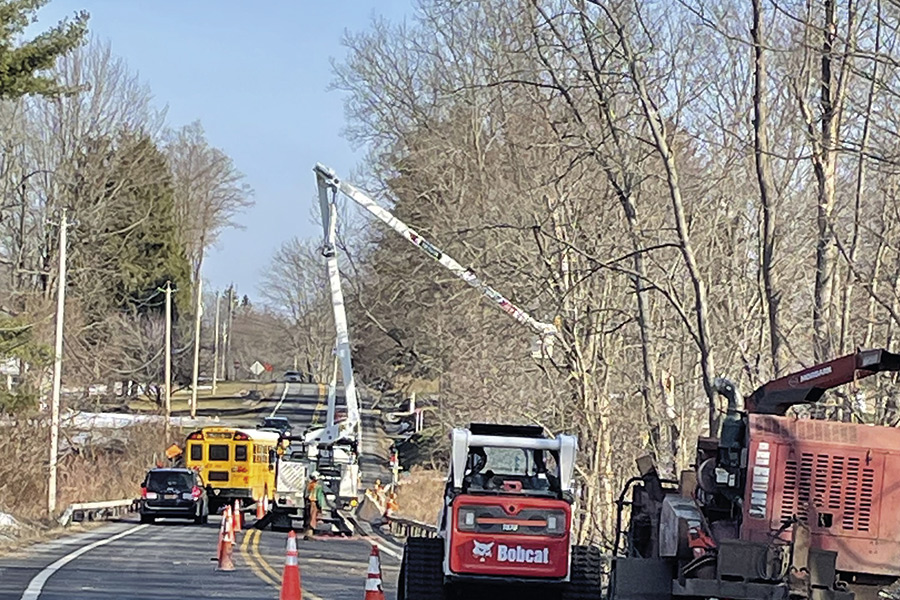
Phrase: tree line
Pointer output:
(688, 189)
(79, 133)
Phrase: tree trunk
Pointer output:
(766, 187)
(661, 144)
(831, 98)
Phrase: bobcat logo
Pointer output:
(482, 551)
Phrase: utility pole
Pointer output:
(229, 363)
(199, 313)
(216, 348)
(168, 385)
(226, 334)
(57, 367)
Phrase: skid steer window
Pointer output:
(508, 461)
(493, 469)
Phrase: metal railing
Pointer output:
(97, 511)
(402, 528)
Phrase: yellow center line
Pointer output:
(245, 551)
(262, 561)
(315, 416)
(272, 571)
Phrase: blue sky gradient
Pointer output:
(256, 75)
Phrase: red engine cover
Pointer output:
(842, 479)
(509, 554)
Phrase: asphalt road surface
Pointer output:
(174, 560)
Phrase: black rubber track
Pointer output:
(422, 574)
(585, 578)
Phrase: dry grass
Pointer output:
(420, 494)
(229, 394)
(110, 470)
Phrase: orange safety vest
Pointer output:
(311, 491)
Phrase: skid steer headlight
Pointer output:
(556, 522)
(466, 519)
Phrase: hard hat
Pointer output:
(315, 475)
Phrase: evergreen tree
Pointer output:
(21, 63)
(128, 243)
(150, 254)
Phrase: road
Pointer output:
(173, 560)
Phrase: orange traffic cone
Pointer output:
(226, 562)
(290, 579)
(260, 509)
(220, 547)
(374, 590)
(237, 515)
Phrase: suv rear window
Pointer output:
(160, 481)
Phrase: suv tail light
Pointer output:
(148, 495)
(196, 492)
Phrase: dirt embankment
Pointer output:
(420, 494)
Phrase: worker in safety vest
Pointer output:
(315, 502)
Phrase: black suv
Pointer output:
(177, 493)
(278, 424)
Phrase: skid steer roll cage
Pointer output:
(563, 445)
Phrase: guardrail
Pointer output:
(402, 528)
(96, 511)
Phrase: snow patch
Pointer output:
(7, 521)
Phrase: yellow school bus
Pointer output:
(235, 464)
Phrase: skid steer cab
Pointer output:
(505, 525)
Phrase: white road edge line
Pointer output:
(283, 396)
(387, 550)
(36, 586)
(372, 540)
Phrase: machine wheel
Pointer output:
(421, 573)
(585, 577)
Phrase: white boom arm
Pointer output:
(328, 179)
(348, 429)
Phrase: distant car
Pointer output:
(279, 424)
(176, 493)
(293, 377)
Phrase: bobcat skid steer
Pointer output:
(505, 526)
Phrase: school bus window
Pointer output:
(196, 451)
(240, 452)
(260, 455)
(218, 452)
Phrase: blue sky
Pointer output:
(256, 75)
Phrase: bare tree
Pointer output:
(209, 191)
